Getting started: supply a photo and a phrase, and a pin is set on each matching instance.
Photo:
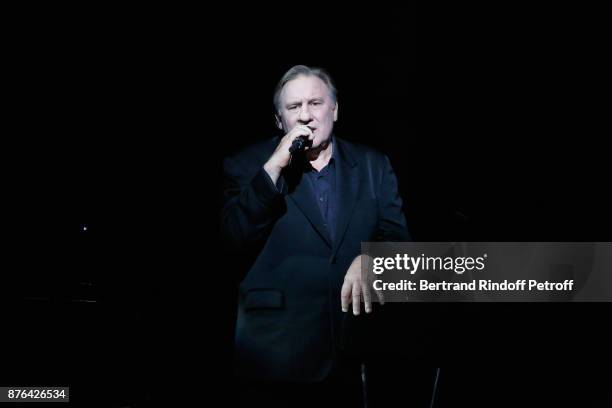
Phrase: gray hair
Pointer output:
(298, 70)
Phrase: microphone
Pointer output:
(299, 143)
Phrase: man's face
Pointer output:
(306, 100)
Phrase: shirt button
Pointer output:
(321, 199)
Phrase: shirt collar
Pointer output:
(332, 159)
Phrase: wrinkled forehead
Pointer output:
(304, 88)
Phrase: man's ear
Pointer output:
(279, 123)
(336, 112)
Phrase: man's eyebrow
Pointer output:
(317, 99)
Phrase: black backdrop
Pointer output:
(489, 128)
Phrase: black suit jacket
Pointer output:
(289, 311)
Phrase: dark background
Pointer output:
(489, 124)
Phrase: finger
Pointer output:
(304, 130)
(297, 132)
(356, 298)
(367, 300)
(310, 133)
(381, 296)
(345, 296)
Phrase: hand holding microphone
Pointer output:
(300, 136)
(297, 139)
(299, 143)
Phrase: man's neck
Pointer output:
(319, 158)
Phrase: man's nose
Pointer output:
(305, 116)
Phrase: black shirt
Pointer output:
(323, 184)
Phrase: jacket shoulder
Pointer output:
(360, 152)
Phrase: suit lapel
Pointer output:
(347, 189)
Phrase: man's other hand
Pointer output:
(354, 287)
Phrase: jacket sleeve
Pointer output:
(392, 225)
(251, 204)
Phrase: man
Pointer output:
(302, 217)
